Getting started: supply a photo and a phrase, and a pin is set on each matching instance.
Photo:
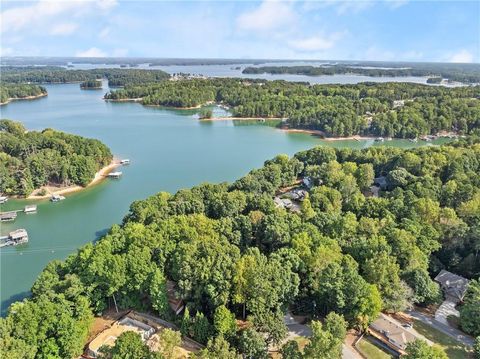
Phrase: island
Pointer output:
(329, 233)
(401, 110)
(11, 92)
(91, 85)
(49, 162)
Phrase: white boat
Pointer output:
(117, 174)
(379, 139)
(3, 199)
(30, 209)
(124, 162)
(57, 198)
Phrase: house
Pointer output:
(392, 333)
(176, 303)
(454, 286)
(307, 182)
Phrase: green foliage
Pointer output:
(419, 349)
(337, 110)
(252, 345)
(476, 347)
(129, 345)
(326, 340)
(33, 159)
(470, 310)
(20, 91)
(216, 348)
(169, 339)
(224, 322)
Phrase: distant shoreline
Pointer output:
(23, 98)
(51, 190)
(226, 118)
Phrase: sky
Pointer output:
(400, 30)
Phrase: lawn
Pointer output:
(454, 349)
(371, 351)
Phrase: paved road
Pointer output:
(448, 330)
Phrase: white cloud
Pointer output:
(6, 51)
(63, 29)
(395, 4)
(104, 33)
(316, 43)
(463, 56)
(46, 12)
(268, 16)
(91, 52)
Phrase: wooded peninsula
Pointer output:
(402, 110)
(31, 159)
(465, 73)
(234, 253)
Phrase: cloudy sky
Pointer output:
(361, 30)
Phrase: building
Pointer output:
(454, 286)
(392, 333)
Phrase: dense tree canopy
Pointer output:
(391, 109)
(233, 253)
(18, 91)
(31, 159)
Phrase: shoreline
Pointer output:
(99, 177)
(23, 98)
(232, 118)
(140, 99)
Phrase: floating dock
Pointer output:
(8, 216)
(117, 174)
(18, 236)
(32, 208)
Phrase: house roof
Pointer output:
(452, 284)
(393, 331)
(175, 302)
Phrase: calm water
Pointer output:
(236, 71)
(169, 150)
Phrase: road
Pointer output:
(448, 330)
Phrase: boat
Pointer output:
(57, 198)
(414, 140)
(379, 139)
(8, 216)
(124, 162)
(32, 208)
(116, 174)
(3, 199)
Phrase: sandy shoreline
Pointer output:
(99, 177)
(23, 98)
(324, 137)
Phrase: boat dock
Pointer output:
(14, 238)
(117, 174)
(10, 216)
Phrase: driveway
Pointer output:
(445, 310)
(446, 329)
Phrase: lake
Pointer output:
(169, 150)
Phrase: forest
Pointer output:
(91, 84)
(57, 74)
(19, 91)
(469, 74)
(31, 159)
(402, 110)
(344, 254)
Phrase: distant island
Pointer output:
(401, 110)
(91, 85)
(49, 160)
(466, 73)
(10, 92)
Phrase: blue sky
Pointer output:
(447, 31)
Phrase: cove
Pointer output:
(169, 150)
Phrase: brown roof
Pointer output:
(393, 332)
(174, 300)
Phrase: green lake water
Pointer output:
(168, 149)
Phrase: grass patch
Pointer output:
(371, 351)
(454, 349)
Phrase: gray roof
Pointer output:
(452, 284)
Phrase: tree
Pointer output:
(290, 350)
(129, 345)
(476, 347)
(224, 322)
(419, 349)
(201, 328)
(326, 340)
(169, 339)
(252, 345)
(158, 293)
(217, 348)
(470, 310)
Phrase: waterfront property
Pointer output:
(57, 198)
(30, 209)
(3, 199)
(116, 174)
